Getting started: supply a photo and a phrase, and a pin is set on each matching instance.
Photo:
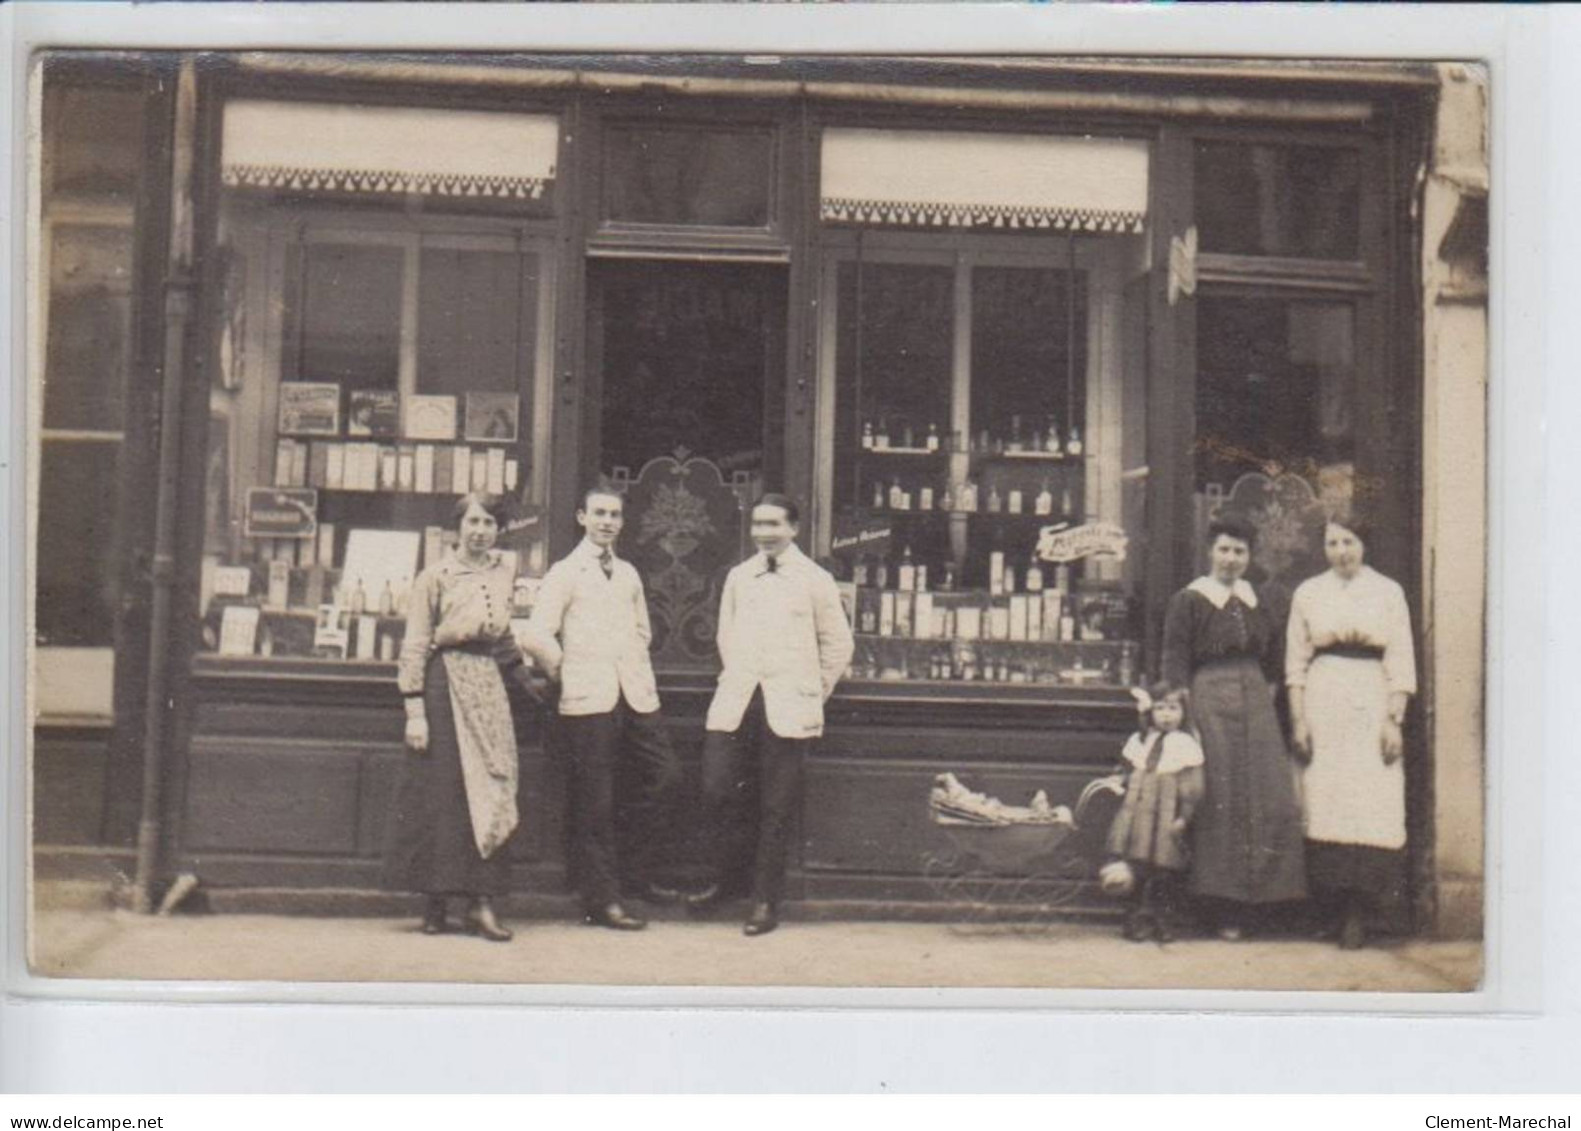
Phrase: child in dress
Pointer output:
(1164, 785)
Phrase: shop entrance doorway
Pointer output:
(690, 359)
(688, 363)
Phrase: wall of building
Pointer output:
(1455, 356)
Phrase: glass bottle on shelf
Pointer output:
(1067, 504)
(947, 499)
(878, 495)
(984, 444)
(859, 572)
(1014, 444)
(1013, 501)
(925, 497)
(1073, 445)
(947, 577)
(996, 573)
(906, 573)
(1034, 575)
(920, 579)
(995, 502)
(907, 438)
(1051, 444)
(386, 601)
(358, 601)
(881, 437)
(867, 435)
(933, 437)
(880, 574)
(1044, 503)
(967, 500)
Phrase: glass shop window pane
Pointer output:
(1292, 201)
(343, 315)
(1276, 385)
(78, 588)
(89, 327)
(1029, 355)
(894, 367)
(475, 325)
(713, 178)
(94, 142)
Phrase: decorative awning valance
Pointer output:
(321, 147)
(984, 180)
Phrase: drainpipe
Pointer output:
(178, 316)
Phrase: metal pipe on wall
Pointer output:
(179, 285)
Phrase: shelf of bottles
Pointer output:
(1036, 473)
(959, 595)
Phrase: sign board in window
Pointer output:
(281, 512)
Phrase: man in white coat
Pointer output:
(785, 642)
(590, 633)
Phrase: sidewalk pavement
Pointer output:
(77, 935)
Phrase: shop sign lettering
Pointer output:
(858, 534)
(1091, 540)
(281, 512)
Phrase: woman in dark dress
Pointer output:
(1224, 644)
(455, 810)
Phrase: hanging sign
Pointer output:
(1092, 540)
(281, 512)
(857, 533)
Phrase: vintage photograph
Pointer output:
(717, 520)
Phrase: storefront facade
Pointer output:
(1012, 332)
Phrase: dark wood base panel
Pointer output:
(289, 774)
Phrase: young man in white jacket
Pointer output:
(785, 642)
(590, 633)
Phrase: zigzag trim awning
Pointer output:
(935, 179)
(321, 147)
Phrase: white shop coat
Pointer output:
(595, 630)
(784, 631)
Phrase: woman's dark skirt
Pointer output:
(1247, 834)
(430, 847)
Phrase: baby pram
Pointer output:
(1013, 864)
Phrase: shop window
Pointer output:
(895, 365)
(691, 355)
(406, 375)
(93, 139)
(89, 327)
(470, 317)
(688, 176)
(1290, 201)
(78, 543)
(1276, 389)
(964, 521)
(343, 315)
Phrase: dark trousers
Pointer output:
(752, 760)
(594, 745)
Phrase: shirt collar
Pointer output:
(1219, 593)
(458, 564)
(592, 553)
(789, 558)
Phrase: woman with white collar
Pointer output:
(1224, 644)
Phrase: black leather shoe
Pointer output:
(710, 896)
(762, 920)
(615, 917)
(661, 893)
(481, 922)
(434, 921)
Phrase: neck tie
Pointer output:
(606, 562)
(774, 564)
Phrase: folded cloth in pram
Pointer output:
(952, 803)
